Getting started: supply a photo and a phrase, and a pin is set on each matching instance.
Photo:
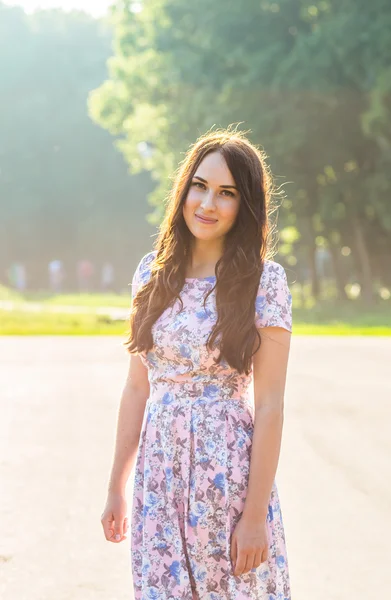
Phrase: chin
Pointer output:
(204, 236)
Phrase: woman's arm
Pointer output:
(130, 418)
(249, 546)
(270, 364)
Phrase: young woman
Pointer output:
(211, 317)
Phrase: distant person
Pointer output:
(210, 322)
(85, 271)
(17, 276)
(56, 275)
(107, 276)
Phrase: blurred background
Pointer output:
(99, 101)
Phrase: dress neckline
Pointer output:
(208, 278)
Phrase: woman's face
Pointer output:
(214, 196)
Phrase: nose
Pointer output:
(208, 201)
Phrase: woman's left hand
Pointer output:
(249, 546)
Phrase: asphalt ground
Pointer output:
(59, 398)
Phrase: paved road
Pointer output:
(59, 398)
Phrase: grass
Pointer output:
(18, 322)
(32, 314)
(48, 299)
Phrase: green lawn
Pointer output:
(25, 323)
(48, 299)
(32, 314)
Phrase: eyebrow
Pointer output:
(222, 186)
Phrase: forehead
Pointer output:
(214, 169)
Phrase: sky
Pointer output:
(94, 7)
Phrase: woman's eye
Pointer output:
(196, 183)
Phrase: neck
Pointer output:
(205, 254)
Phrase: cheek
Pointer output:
(190, 205)
(192, 200)
(229, 210)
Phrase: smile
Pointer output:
(206, 221)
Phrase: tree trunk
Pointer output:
(313, 270)
(364, 260)
(339, 278)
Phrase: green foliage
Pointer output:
(311, 82)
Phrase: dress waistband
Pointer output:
(210, 391)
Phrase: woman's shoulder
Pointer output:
(143, 269)
(144, 266)
(272, 273)
(273, 305)
(146, 261)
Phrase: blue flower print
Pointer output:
(152, 359)
(200, 508)
(221, 456)
(175, 570)
(185, 351)
(161, 545)
(193, 519)
(213, 596)
(151, 593)
(169, 478)
(202, 315)
(168, 531)
(146, 566)
(280, 561)
(211, 391)
(151, 500)
(145, 277)
(200, 574)
(200, 401)
(241, 438)
(221, 537)
(203, 459)
(195, 421)
(260, 304)
(210, 446)
(263, 574)
(219, 481)
(270, 513)
(167, 398)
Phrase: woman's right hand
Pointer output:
(114, 519)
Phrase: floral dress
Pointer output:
(192, 465)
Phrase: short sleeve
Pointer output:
(273, 305)
(142, 272)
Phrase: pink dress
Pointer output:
(192, 466)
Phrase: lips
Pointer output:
(205, 219)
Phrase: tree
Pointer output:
(298, 74)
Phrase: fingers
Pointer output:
(115, 527)
(246, 561)
(233, 551)
(107, 521)
(249, 562)
(240, 562)
(257, 559)
(118, 528)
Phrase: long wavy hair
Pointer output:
(246, 246)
